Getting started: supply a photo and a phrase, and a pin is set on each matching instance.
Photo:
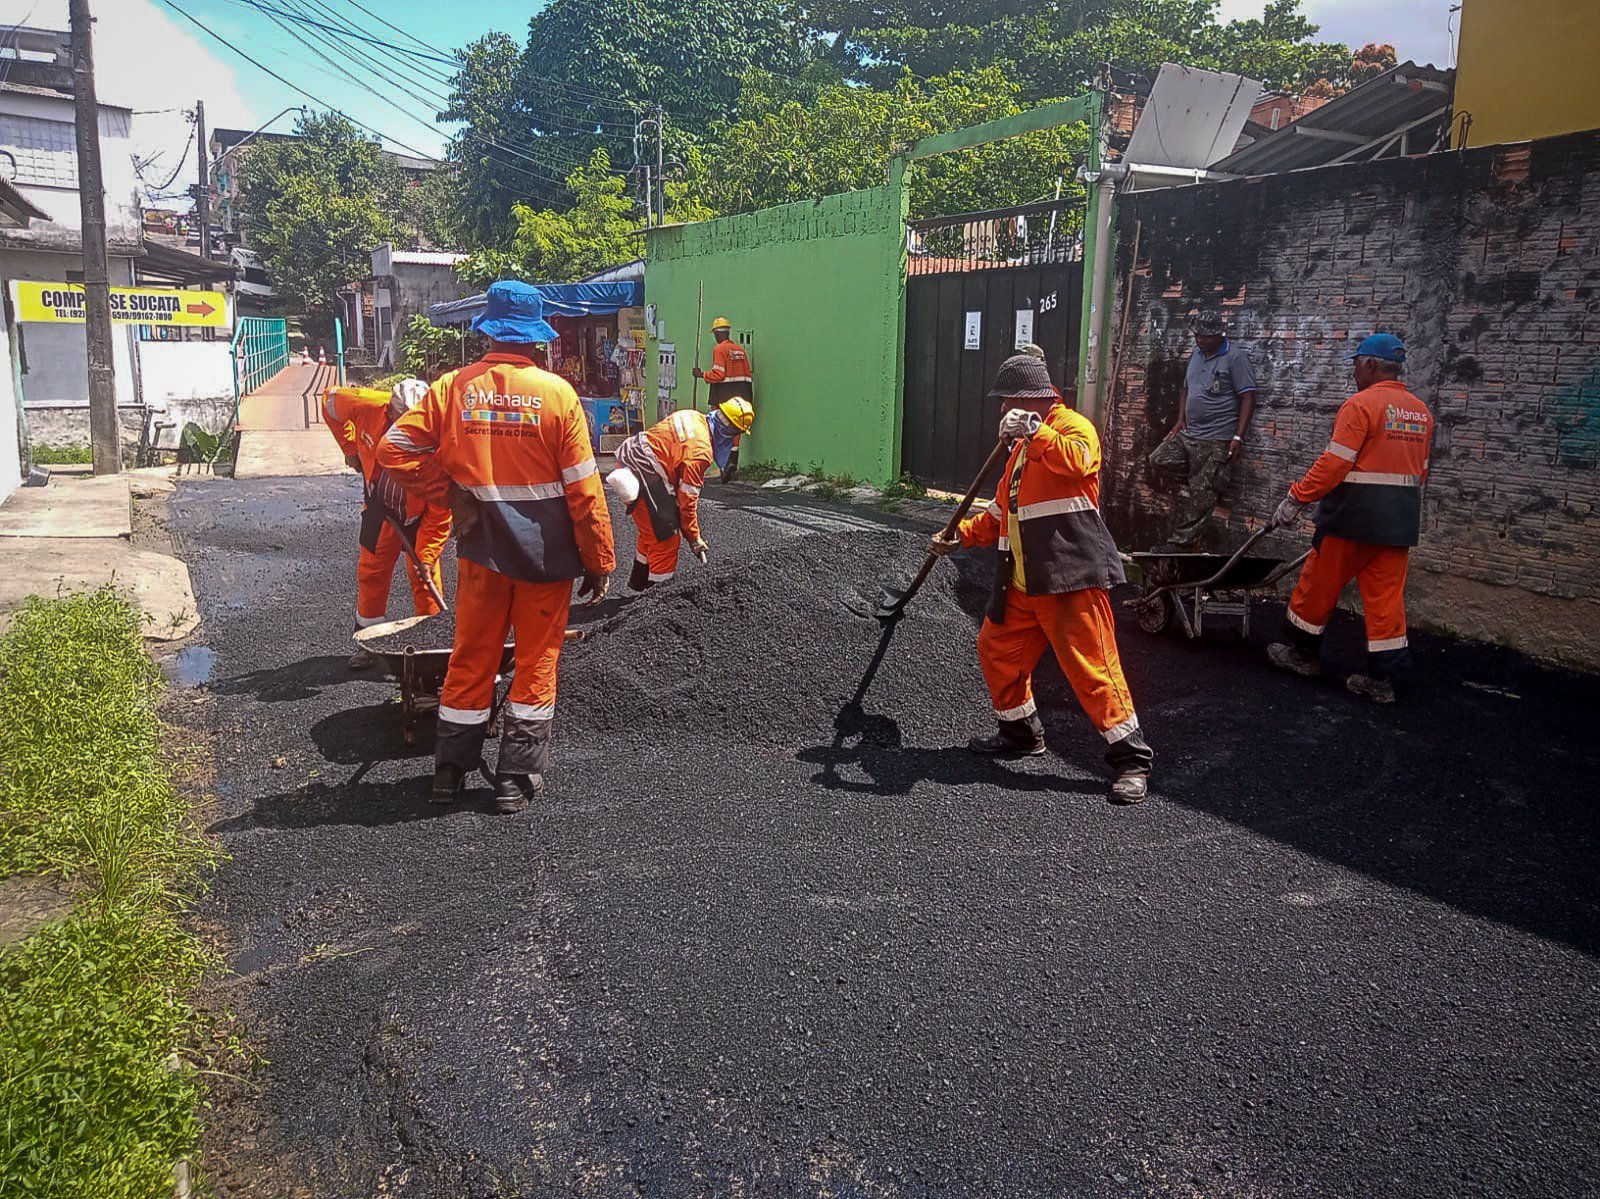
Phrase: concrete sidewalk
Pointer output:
(280, 427)
(77, 532)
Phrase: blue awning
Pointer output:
(560, 299)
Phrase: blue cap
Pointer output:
(513, 312)
(1381, 345)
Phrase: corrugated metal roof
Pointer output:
(1346, 127)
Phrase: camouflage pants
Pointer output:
(1201, 470)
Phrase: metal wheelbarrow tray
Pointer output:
(412, 658)
(1186, 588)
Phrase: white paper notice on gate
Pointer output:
(1024, 327)
(974, 340)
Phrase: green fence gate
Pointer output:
(260, 350)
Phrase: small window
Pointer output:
(46, 152)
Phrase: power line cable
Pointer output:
(182, 158)
(339, 47)
(318, 100)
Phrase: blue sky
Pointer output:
(158, 63)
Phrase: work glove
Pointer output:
(700, 550)
(698, 373)
(593, 588)
(463, 512)
(407, 394)
(1288, 512)
(353, 461)
(939, 545)
(1017, 423)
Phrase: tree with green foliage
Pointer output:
(314, 209)
(486, 182)
(598, 231)
(796, 145)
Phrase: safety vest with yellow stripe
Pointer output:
(1052, 482)
(514, 438)
(1369, 479)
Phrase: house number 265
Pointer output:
(1048, 302)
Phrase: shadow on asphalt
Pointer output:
(365, 805)
(356, 736)
(288, 684)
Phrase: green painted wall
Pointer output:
(820, 287)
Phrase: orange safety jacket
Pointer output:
(514, 438)
(730, 363)
(678, 451)
(359, 417)
(1053, 478)
(1370, 477)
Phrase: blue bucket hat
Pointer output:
(1386, 346)
(513, 312)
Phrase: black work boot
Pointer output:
(448, 781)
(1287, 657)
(1370, 686)
(513, 791)
(362, 659)
(1023, 738)
(1131, 757)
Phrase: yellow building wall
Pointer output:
(1527, 68)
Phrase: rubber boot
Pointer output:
(1131, 757)
(513, 791)
(448, 781)
(1287, 657)
(1368, 686)
(1022, 738)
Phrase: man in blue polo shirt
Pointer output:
(1214, 411)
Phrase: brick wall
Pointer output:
(1488, 264)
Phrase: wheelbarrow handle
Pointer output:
(1194, 584)
(996, 456)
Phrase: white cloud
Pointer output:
(145, 60)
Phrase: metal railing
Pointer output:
(260, 350)
(1028, 235)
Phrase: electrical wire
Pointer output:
(182, 158)
(318, 100)
(546, 180)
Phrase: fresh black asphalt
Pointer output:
(762, 941)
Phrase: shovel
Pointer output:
(892, 603)
(411, 552)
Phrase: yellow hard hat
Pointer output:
(721, 322)
(738, 413)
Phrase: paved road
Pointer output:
(760, 942)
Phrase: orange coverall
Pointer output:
(358, 417)
(671, 459)
(514, 438)
(1369, 481)
(729, 372)
(1057, 563)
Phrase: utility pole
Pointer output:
(104, 435)
(202, 197)
(661, 166)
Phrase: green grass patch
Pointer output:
(762, 472)
(102, 1052)
(60, 455)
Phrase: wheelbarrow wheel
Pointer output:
(1155, 613)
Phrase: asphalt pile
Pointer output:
(435, 633)
(769, 647)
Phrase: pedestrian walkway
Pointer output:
(280, 427)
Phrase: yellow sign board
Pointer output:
(62, 303)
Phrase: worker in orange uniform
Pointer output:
(506, 445)
(1057, 565)
(659, 476)
(1368, 489)
(729, 375)
(358, 417)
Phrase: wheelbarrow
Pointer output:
(1187, 588)
(420, 671)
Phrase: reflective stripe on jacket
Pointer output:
(1369, 479)
(359, 416)
(514, 438)
(1065, 543)
(678, 451)
(730, 363)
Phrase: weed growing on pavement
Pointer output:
(101, 1051)
(899, 490)
(60, 455)
(762, 472)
